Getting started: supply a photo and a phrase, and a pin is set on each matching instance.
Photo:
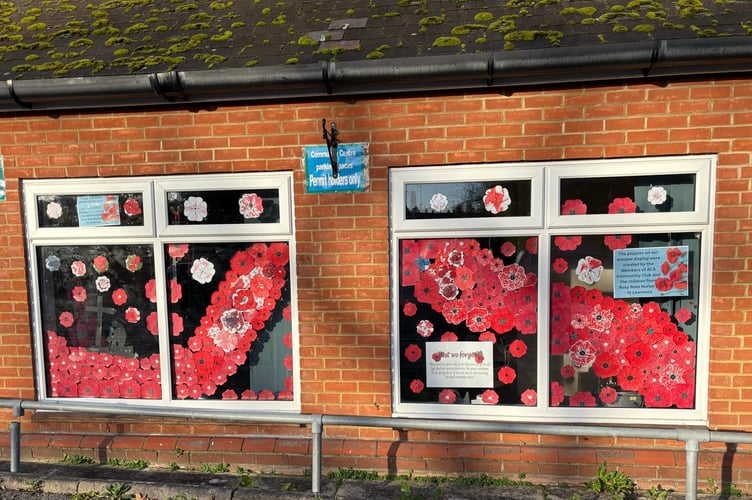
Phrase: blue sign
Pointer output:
(651, 272)
(352, 168)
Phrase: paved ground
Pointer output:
(86, 482)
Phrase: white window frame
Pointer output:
(157, 233)
(699, 221)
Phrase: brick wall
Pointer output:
(343, 263)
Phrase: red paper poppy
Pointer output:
(531, 245)
(529, 397)
(617, 242)
(606, 365)
(490, 397)
(478, 319)
(565, 243)
(673, 254)
(130, 389)
(266, 395)
(517, 348)
(506, 375)
(447, 396)
(413, 353)
(573, 207)
(512, 277)
(409, 309)
(416, 386)
(622, 206)
(583, 398)
(657, 396)
(66, 319)
(132, 315)
(229, 394)
(454, 311)
(119, 297)
(608, 395)
(449, 337)
(526, 321)
(78, 293)
(638, 354)
(502, 320)
(559, 265)
(487, 337)
(567, 371)
(508, 249)
(557, 394)
(464, 278)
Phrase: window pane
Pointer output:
(623, 320)
(635, 194)
(230, 325)
(468, 320)
(95, 307)
(117, 209)
(223, 207)
(467, 199)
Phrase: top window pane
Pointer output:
(459, 200)
(629, 194)
(90, 210)
(223, 207)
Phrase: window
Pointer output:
(172, 290)
(557, 291)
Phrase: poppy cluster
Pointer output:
(635, 347)
(79, 372)
(241, 305)
(473, 294)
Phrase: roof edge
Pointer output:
(500, 69)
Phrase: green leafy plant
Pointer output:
(657, 493)
(118, 491)
(247, 481)
(34, 485)
(612, 481)
(76, 459)
(713, 487)
(215, 468)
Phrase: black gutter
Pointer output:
(710, 57)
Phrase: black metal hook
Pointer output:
(331, 145)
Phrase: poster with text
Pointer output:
(650, 272)
(459, 364)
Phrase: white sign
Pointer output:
(459, 364)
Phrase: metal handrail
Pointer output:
(691, 436)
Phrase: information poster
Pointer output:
(352, 168)
(650, 272)
(459, 364)
(98, 210)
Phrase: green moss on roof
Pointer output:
(74, 37)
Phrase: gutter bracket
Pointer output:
(14, 96)
(168, 85)
(327, 74)
(490, 69)
(659, 51)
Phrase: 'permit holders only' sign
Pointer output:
(352, 162)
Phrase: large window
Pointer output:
(558, 291)
(171, 290)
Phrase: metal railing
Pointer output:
(691, 437)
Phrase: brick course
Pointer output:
(344, 331)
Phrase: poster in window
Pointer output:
(647, 272)
(459, 364)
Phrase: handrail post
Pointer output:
(692, 447)
(317, 428)
(15, 439)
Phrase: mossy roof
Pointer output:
(64, 38)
